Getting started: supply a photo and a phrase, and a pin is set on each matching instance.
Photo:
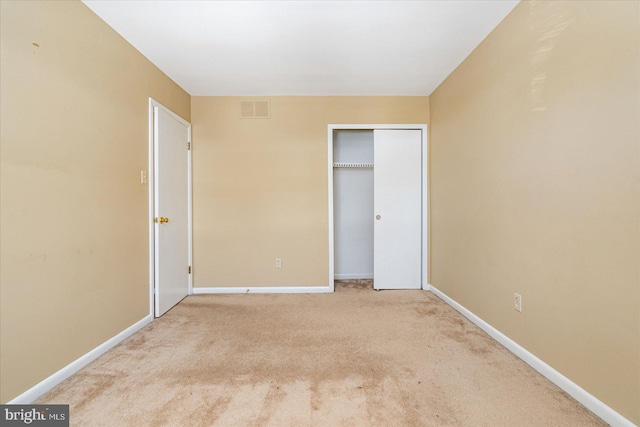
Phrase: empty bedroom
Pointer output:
(320, 213)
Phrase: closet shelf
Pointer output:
(352, 165)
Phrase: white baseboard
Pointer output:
(595, 405)
(353, 276)
(50, 382)
(265, 290)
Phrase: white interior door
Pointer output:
(397, 202)
(171, 209)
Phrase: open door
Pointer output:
(171, 212)
(397, 200)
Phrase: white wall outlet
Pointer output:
(517, 302)
(278, 263)
(143, 177)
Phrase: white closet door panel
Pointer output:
(397, 208)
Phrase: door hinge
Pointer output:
(189, 269)
(188, 146)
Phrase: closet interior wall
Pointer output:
(353, 204)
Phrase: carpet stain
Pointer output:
(355, 357)
(95, 385)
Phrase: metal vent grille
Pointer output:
(247, 109)
(255, 109)
(262, 109)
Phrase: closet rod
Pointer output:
(352, 165)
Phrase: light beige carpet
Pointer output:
(353, 358)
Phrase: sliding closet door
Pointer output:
(398, 209)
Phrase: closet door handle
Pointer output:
(378, 217)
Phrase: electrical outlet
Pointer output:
(517, 302)
(278, 263)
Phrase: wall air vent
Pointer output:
(255, 110)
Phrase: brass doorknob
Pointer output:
(378, 217)
(163, 220)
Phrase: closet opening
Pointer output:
(378, 206)
(353, 206)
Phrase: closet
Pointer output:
(377, 206)
(353, 204)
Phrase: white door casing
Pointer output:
(397, 249)
(171, 213)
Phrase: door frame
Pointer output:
(152, 191)
(425, 192)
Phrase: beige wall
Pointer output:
(260, 185)
(74, 264)
(535, 169)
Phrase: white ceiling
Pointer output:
(215, 48)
